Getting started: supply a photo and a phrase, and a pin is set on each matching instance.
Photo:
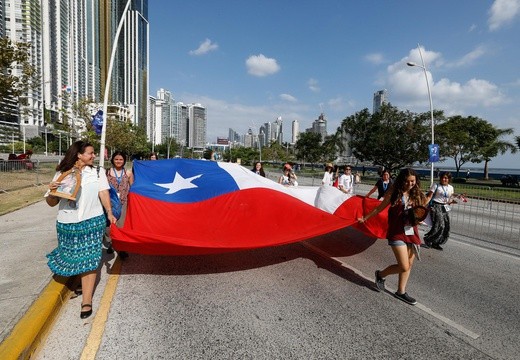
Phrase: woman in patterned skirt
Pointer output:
(81, 223)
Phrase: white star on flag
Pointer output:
(179, 183)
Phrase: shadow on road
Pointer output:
(341, 243)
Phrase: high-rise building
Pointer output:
(319, 126)
(129, 83)
(380, 98)
(277, 131)
(22, 24)
(165, 111)
(151, 128)
(181, 119)
(2, 18)
(295, 131)
(233, 136)
(196, 126)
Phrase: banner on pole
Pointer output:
(433, 150)
(97, 122)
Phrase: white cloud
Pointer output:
(259, 65)
(288, 97)
(503, 12)
(205, 47)
(313, 85)
(472, 28)
(408, 87)
(469, 58)
(375, 58)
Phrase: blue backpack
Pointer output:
(117, 207)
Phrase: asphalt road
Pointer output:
(311, 300)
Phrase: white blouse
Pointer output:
(441, 193)
(87, 204)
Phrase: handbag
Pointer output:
(416, 215)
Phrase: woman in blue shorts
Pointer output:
(402, 233)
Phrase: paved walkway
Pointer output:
(29, 295)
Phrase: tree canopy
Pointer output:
(14, 54)
(308, 147)
(471, 139)
(389, 137)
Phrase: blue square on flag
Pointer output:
(433, 150)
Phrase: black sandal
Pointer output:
(85, 314)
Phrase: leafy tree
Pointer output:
(124, 136)
(308, 147)
(169, 147)
(471, 139)
(15, 54)
(36, 144)
(495, 146)
(518, 142)
(390, 137)
(246, 155)
(276, 152)
(332, 146)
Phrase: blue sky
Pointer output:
(251, 61)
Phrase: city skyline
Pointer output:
(249, 63)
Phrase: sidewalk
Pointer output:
(29, 296)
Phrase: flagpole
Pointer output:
(107, 86)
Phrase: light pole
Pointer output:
(423, 66)
(107, 85)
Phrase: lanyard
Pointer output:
(119, 177)
(445, 191)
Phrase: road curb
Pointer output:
(32, 328)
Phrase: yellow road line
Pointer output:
(33, 327)
(98, 325)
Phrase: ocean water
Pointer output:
(475, 173)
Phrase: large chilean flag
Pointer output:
(182, 206)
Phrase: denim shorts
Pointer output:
(397, 243)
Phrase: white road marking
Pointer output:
(420, 306)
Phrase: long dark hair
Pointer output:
(71, 156)
(116, 153)
(262, 172)
(416, 195)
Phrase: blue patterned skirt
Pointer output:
(79, 247)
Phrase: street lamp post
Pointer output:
(107, 85)
(423, 66)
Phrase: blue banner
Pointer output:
(433, 150)
(97, 122)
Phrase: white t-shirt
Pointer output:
(87, 204)
(327, 178)
(346, 182)
(441, 193)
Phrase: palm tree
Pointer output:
(497, 146)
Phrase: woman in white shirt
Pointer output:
(346, 181)
(81, 223)
(441, 196)
(328, 176)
